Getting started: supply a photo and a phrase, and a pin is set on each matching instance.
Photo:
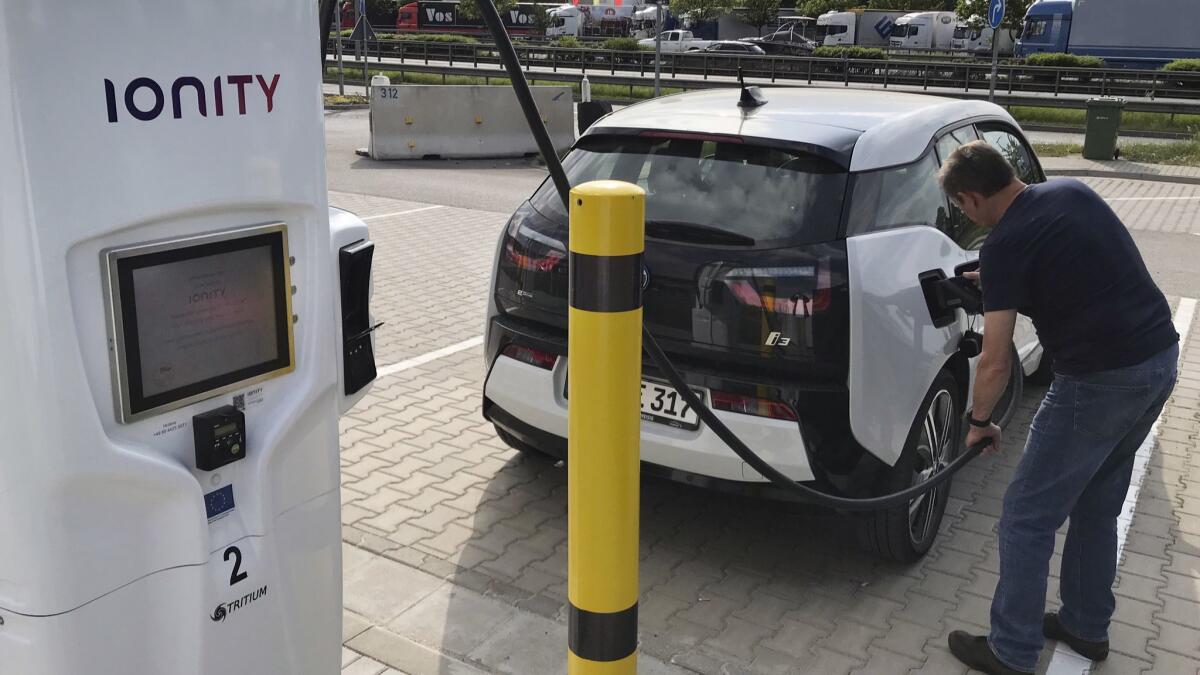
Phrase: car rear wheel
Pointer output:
(905, 533)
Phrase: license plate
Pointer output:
(662, 404)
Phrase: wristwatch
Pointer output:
(982, 424)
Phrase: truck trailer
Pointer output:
(1143, 34)
(866, 27)
(593, 20)
(975, 37)
(924, 30)
(443, 17)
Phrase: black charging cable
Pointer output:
(780, 479)
(508, 57)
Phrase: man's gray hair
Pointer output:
(975, 167)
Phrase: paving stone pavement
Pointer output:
(455, 545)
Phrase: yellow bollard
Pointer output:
(604, 346)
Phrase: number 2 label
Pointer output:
(237, 574)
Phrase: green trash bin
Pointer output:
(1103, 121)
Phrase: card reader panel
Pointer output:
(220, 436)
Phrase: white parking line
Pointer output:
(1064, 661)
(401, 213)
(429, 356)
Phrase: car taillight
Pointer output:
(534, 357)
(530, 250)
(532, 263)
(750, 287)
(750, 405)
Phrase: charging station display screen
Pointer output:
(201, 318)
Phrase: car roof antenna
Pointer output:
(752, 97)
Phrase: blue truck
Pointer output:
(1143, 34)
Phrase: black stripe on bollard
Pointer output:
(597, 636)
(605, 283)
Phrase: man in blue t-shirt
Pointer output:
(1059, 255)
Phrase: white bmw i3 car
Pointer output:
(792, 254)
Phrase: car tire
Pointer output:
(905, 533)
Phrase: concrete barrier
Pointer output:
(412, 121)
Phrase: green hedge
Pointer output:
(1064, 61)
(567, 42)
(421, 37)
(849, 53)
(436, 37)
(1184, 65)
(621, 44)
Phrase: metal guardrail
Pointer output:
(1141, 87)
(488, 74)
(967, 76)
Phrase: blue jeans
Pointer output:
(1077, 463)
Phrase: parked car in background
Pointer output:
(677, 41)
(733, 47)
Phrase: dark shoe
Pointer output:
(1053, 630)
(974, 651)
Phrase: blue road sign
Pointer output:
(995, 13)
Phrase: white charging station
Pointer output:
(183, 321)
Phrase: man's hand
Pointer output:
(973, 277)
(977, 434)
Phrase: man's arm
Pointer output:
(992, 372)
(995, 364)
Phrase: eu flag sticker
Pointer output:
(219, 502)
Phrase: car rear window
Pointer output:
(776, 197)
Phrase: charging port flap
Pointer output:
(939, 313)
(358, 354)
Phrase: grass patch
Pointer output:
(1139, 121)
(348, 99)
(1185, 153)
(1057, 149)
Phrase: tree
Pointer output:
(540, 17)
(1014, 12)
(816, 8)
(759, 13)
(702, 10)
(470, 9)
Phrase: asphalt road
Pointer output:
(484, 185)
